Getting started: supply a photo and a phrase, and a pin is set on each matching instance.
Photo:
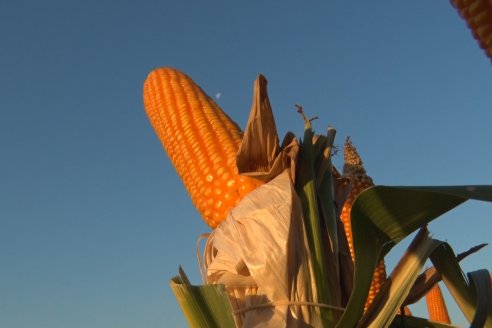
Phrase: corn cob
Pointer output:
(406, 311)
(354, 170)
(201, 141)
(436, 305)
(478, 16)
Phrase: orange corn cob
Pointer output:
(478, 16)
(436, 305)
(354, 170)
(201, 141)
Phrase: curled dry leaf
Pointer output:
(260, 155)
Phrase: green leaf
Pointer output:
(416, 322)
(306, 189)
(365, 264)
(396, 288)
(382, 216)
(203, 306)
(463, 293)
(329, 219)
(480, 280)
(431, 276)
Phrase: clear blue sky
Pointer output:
(93, 218)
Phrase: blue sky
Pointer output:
(94, 221)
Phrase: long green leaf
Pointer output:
(480, 281)
(366, 262)
(306, 189)
(326, 195)
(431, 276)
(203, 306)
(396, 288)
(463, 293)
(382, 216)
(415, 322)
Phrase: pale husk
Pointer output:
(260, 253)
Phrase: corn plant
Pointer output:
(323, 233)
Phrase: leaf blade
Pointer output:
(203, 306)
(382, 216)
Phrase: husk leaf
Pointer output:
(260, 156)
(260, 253)
(203, 306)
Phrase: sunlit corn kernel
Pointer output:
(245, 189)
(227, 197)
(209, 178)
(225, 176)
(231, 184)
(218, 205)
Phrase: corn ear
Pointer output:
(201, 141)
(478, 16)
(436, 305)
(360, 181)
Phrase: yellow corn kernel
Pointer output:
(355, 171)
(201, 141)
(436, 305)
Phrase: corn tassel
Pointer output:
(354, 170)
(436, 305)
(201, 141)
(478, 16)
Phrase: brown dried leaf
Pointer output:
(260, 155)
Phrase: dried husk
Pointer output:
(260, 251)
(260, 254)
(260, 156)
